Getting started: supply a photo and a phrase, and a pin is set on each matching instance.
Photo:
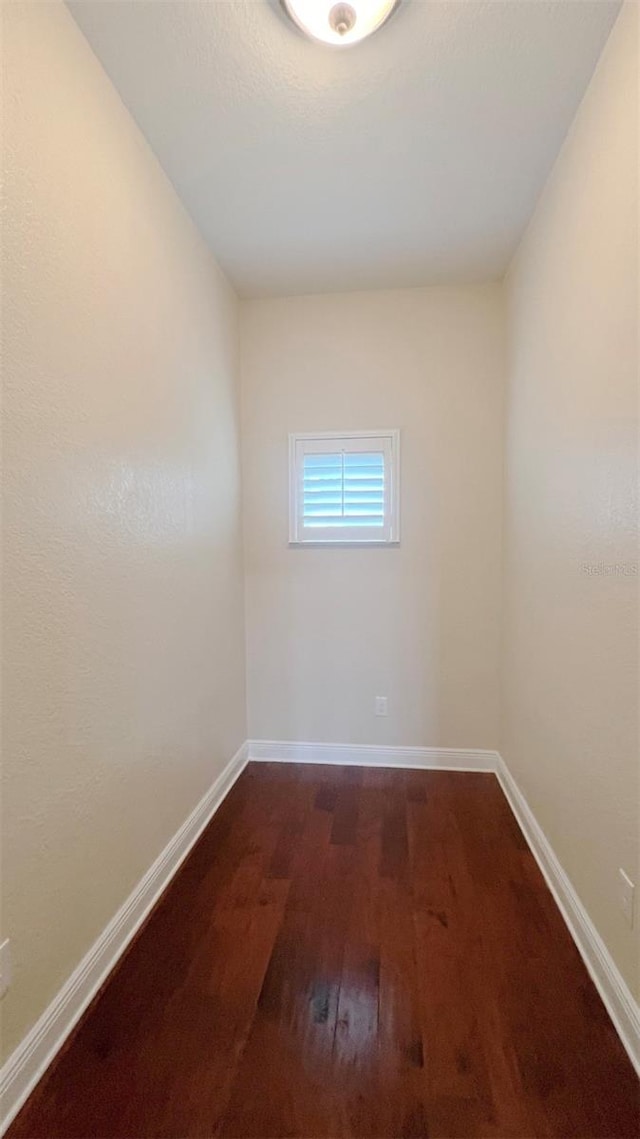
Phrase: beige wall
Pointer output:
(570, 730)
(328, 630)
(123, 624)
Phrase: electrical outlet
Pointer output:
(381, 706)
(5, 966)
(626, 896)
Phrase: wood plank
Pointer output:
(347, 953)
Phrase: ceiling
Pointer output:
(413, 158)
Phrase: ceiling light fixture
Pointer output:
(339, 22)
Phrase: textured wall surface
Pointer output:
(571, 576)
(123, 624)
(123, 630)
(330, 629)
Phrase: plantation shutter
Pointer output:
(342, 488)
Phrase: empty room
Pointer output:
(320, 641)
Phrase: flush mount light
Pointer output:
(339, 22)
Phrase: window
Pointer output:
(343, 488)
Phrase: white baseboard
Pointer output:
(364, 755)
(615, 994)
(25, 1067)
(616, 997)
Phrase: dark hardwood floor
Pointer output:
(347, 952)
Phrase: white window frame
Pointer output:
(387, 441)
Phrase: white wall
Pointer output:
(570, 731)
(123, 632)
(329, 629)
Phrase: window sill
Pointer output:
(338, 543)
